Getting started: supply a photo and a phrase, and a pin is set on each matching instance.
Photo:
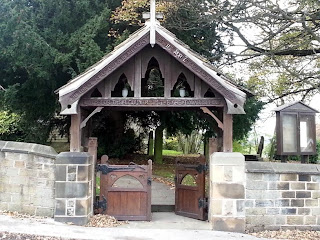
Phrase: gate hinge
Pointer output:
(202, 168)
(149, 181)
(101, 204)
(203, 203)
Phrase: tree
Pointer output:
(43, 45)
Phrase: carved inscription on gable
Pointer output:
(192, 66)
(180, 102)
(113, 65)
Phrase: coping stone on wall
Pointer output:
(28, 148)
(273, 167)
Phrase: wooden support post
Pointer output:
(213, 145)
(227, 131)
(75, 133)
(137, 76)
(93, 150)
(150, 144)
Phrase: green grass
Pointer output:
(60, 146)
(171, 153)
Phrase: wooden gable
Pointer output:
(130, 60)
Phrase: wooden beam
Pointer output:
(84, 122)
(75, 133)
(227, 131)
(206, 110)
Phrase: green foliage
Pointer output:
(190, 144)
(242, 124)
(316, 158)
(43, 44)
(9, 126)
(171, 143)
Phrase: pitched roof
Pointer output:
(296, 105)
(235, 98)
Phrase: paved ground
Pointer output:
(47, 227)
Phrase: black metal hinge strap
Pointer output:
(101, 204)
(105, 169)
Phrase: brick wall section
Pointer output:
(227, 192)
(282, 196)
(27, 178)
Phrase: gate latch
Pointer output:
(202, 168)
(101, 204)
(203, 203)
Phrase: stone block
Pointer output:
(259, 167)
(272, 186)
(14, 207)
(303, 194)
(288, 194)
(82, 207)
(71, 190)
(288, 211)
(280, 220)
(238, 174)
(228, 224)
(264, 203)
(315, 178)
(80, 221)
(297, 203)
(297, 186)
(283, 186)
(3, 206)
(257, 185)
(315, 194)
(19, 164)
(12, 172)
(61, 172)
(19, 180)
(304, 178)
(217, 173)
(304, 211)
(254, 176)
(271, 177)
(60, 207)
(240, 207)
(260, 220)
(315, 212)
(312, 203)
(28, 209)
(256, 211)
(45, 212)
(225, 190)
(227, 208)
(216, 207)
(249, 203)
(83, 173)
(312, 186)
(289, 177)
(310, 220)
(74, 158)
(273, 211)
(72, 173)
(295, 220)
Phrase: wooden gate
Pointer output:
(125, 191)
(190, 198)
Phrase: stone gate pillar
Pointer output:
(227, 192)
(73, 184)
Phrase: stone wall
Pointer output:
(27, 178)
(282, 196)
